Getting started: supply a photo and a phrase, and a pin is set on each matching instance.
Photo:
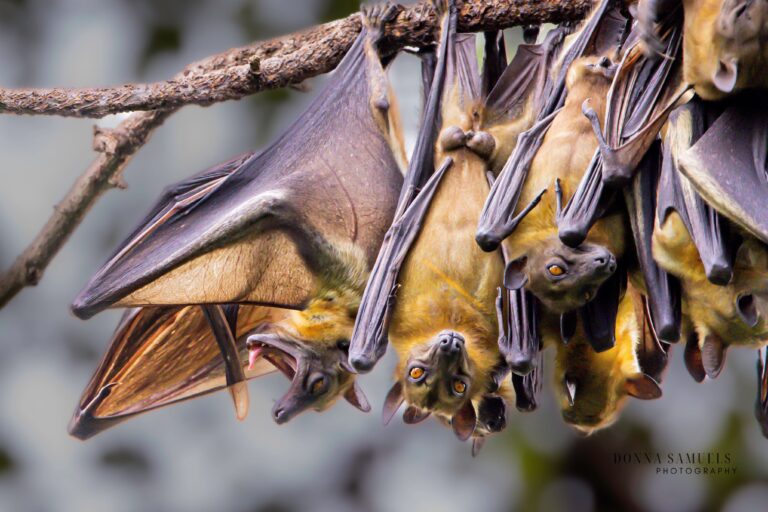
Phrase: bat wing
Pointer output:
(369, 337)
(157, 357)
(642, 94)
(709, 231)
(497, 219)
(728, 166)
(331, 179)
(664, 299)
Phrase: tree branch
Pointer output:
(229, 75)
(244, 71)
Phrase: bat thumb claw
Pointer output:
(239, 393)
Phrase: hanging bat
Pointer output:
(294, 226)
(563, 278)
(643, 92)
(724, 42)
(723, 280)
(601, 33)
(432, 289)
(592, 387)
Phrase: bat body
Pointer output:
(721, 266)
(432, 291)
(286, 235)
(592, 387)
(561, 277)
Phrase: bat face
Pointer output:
(561, 277)
(724, 45)
(438, 375)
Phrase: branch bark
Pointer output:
(229, 75)
(244, 71)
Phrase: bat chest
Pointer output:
(447, 281)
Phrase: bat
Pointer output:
(432, 290)
(294, 226)
(592, 387)
(643, 92)
(724, 50)
(599, 34)
(761, 402)
(561, 277)
(721, 269)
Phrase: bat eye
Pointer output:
(343, 345)
(459, 387)
(556, 270)
(318, 385)
(416, 373)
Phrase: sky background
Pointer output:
(195, 456)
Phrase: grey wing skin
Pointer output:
(369, 337)
(333, 172)
(727, 165)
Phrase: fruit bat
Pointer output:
(724, 48)
(592, 387)
(642, 94)
(432, 290)
(563, 278)
(722, 269)
(601, 32)
(294, 226)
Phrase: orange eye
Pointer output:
(416, 372)
(317, 386)
(556, 270)
(459, 387)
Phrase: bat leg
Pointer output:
(236, 382)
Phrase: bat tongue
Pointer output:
(253, 355)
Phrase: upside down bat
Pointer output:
(592, 387)
(724, 48)
(722, 266)
(432, 290)
(294, 226)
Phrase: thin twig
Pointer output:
(228, 75)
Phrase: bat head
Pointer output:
(743, 27)
(592, 392)
(563, 278)
(319, 373)
(438, 377)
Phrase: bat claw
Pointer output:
(239, 393)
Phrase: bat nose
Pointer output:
(280, 415)
(451, 343)
(606, 261)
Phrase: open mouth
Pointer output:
(280, 359)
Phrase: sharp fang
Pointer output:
(239, 392)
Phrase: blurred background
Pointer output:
(195, 456)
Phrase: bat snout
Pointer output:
(450, 343)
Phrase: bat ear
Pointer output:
(713, 355)
(745, 306)
(392, 402)
(642, 386)
(726, 74)
(355, 396)
(492, 413)
(514, 274)
(692, 357)
(464, 421)
(414, 415)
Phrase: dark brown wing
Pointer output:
(601, 32)
(332, 178)
(369, 338)
(728, 165)
(709, 231)
(159, 356)
(663, 289)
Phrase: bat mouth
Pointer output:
(281, 353)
